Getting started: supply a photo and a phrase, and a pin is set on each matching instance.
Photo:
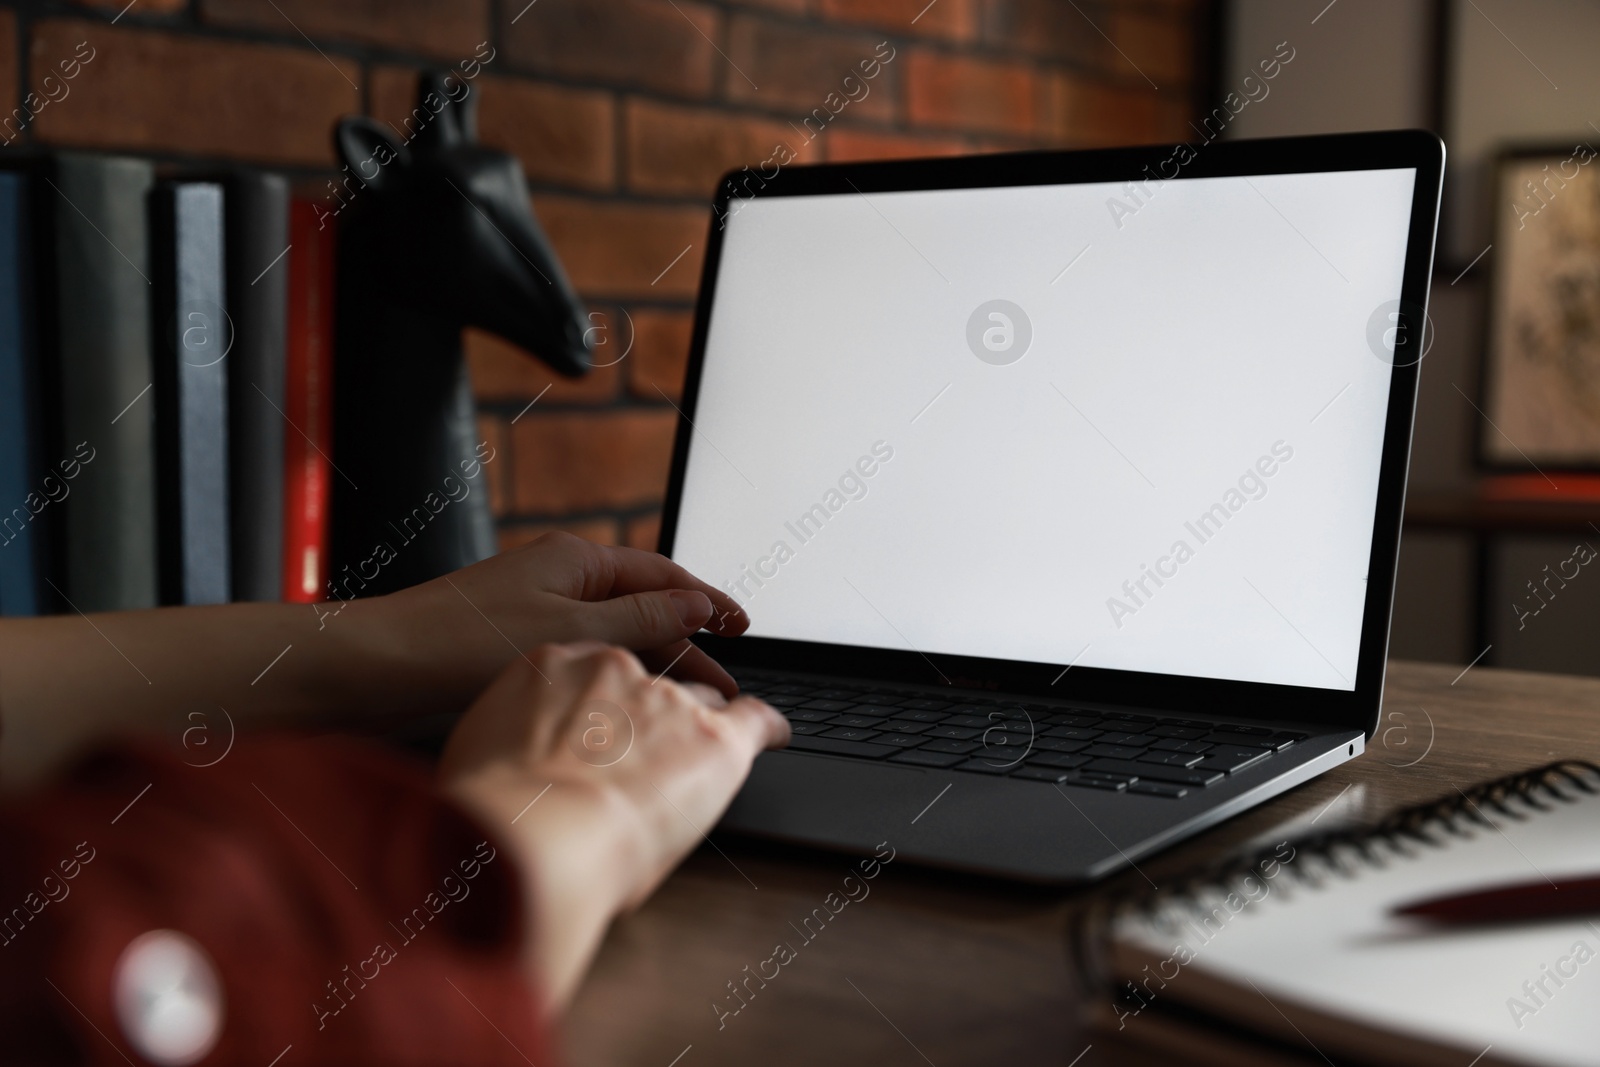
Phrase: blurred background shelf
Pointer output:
(1476, 513)
(1481, 575)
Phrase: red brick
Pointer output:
(660, 356)
(1172, 118)
(788, 7)
(496, 472)
(561, 136)
(627, 250)
(957, 92)
(600, 531)
(584, 462)
(1160, 47)
(449, 29)
(644, 532)
(146, 7)
(650, 44)
(685, 150)
(955, 20)
(1090, 115)
(848, 145)
(983, 146)
(503, 372)
(146, 90)
(1048, 28)
(805, 69)
(391, 94)
(614, 337)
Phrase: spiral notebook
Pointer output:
(1294, 954)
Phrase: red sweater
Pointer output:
(348, 914)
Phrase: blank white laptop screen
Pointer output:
(1129, 427)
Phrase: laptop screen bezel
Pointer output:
(1357, 708)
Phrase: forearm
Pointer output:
(70, 680)
(67, 681)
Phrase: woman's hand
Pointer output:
(601, 777)
(67, 681)
(562, 588)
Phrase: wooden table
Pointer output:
(949, 970)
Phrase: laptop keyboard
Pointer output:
(1120, 751)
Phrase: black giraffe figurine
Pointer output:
(435, 234)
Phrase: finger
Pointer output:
(576, 649)
(544, 659)
(758, 723)
(613, 571)
(643, 620)
(706, 695)
(607, 657)
(687, 663)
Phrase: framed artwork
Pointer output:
(1542, 362)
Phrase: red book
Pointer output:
(308, 405)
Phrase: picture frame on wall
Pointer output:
(1541, 377)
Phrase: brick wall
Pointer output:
(623, 113)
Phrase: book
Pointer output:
(22, 499)
(1295, 954)
(257, 240)
(308, 405)
(102, 336)
(192, 338)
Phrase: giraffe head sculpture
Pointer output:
(453, 228)
(435, 233)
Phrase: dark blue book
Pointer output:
(193, 338)
(22, 501)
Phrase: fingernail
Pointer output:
(693, 608)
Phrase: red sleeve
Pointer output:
(349, 914)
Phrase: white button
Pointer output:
(167, 998)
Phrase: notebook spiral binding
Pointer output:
(1536, 788)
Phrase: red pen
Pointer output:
(1516, 902)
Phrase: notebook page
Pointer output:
(1532, 990)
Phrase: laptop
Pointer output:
(1063, 489)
